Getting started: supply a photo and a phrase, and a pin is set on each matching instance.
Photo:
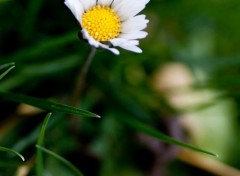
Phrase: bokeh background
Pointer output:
(185, 84)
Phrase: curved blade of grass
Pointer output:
(70, 165)
(12, 151)
(7, 65)
(8, 70)
(140, 126)
(46, 105)
(39, 158)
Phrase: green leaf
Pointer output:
(10, 65)
(39, 159)
(67, 163)
(46, 105)
(12, 151)
(5, 66)
(140, 126)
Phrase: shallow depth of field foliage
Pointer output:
(185, 85)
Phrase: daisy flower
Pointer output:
(111, 23)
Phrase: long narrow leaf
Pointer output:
(11, 66)
(46, 105)
(39, 164)
(12, 151)
(70, 165)
(5, 66)
(162, 137)
(30, 53)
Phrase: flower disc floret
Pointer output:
(102, 23)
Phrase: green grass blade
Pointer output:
(39, 159)
(5, 66)
(36, 50)
(11, 66)
(67, 163)
(46, 105)
(12, 151)
(139, 126)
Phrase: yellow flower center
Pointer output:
(102, 23)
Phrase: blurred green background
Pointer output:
(184, 84)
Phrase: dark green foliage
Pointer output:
(40, 40)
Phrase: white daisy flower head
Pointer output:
(111, 23)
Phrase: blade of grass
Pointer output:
(46, 105)
(39, 158)
(34, 71)
(7, 71)
(140, 126)
(12, 151)
(43, 129)
(4, 66)
(67, 163)
(31, 138)
(36, 50)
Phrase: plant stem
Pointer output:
(80, 81)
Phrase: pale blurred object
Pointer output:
(174, 82)
(24, 109)
(212, 127)
(208, 164)
(23, 170)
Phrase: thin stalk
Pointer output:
(66, 162)
(39, 158)
(80, 81)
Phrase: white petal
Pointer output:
(134, 35)
(133, 42)
(128, 9)
(76, 8)
(115, 3)
(92, 3)
(104, 2)
(130, 45)
(132, 48)
(114, 50)
(90, 40)
(97, 44)
(121, 41)
(87, 4)
(136, 23)
(118, 41)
